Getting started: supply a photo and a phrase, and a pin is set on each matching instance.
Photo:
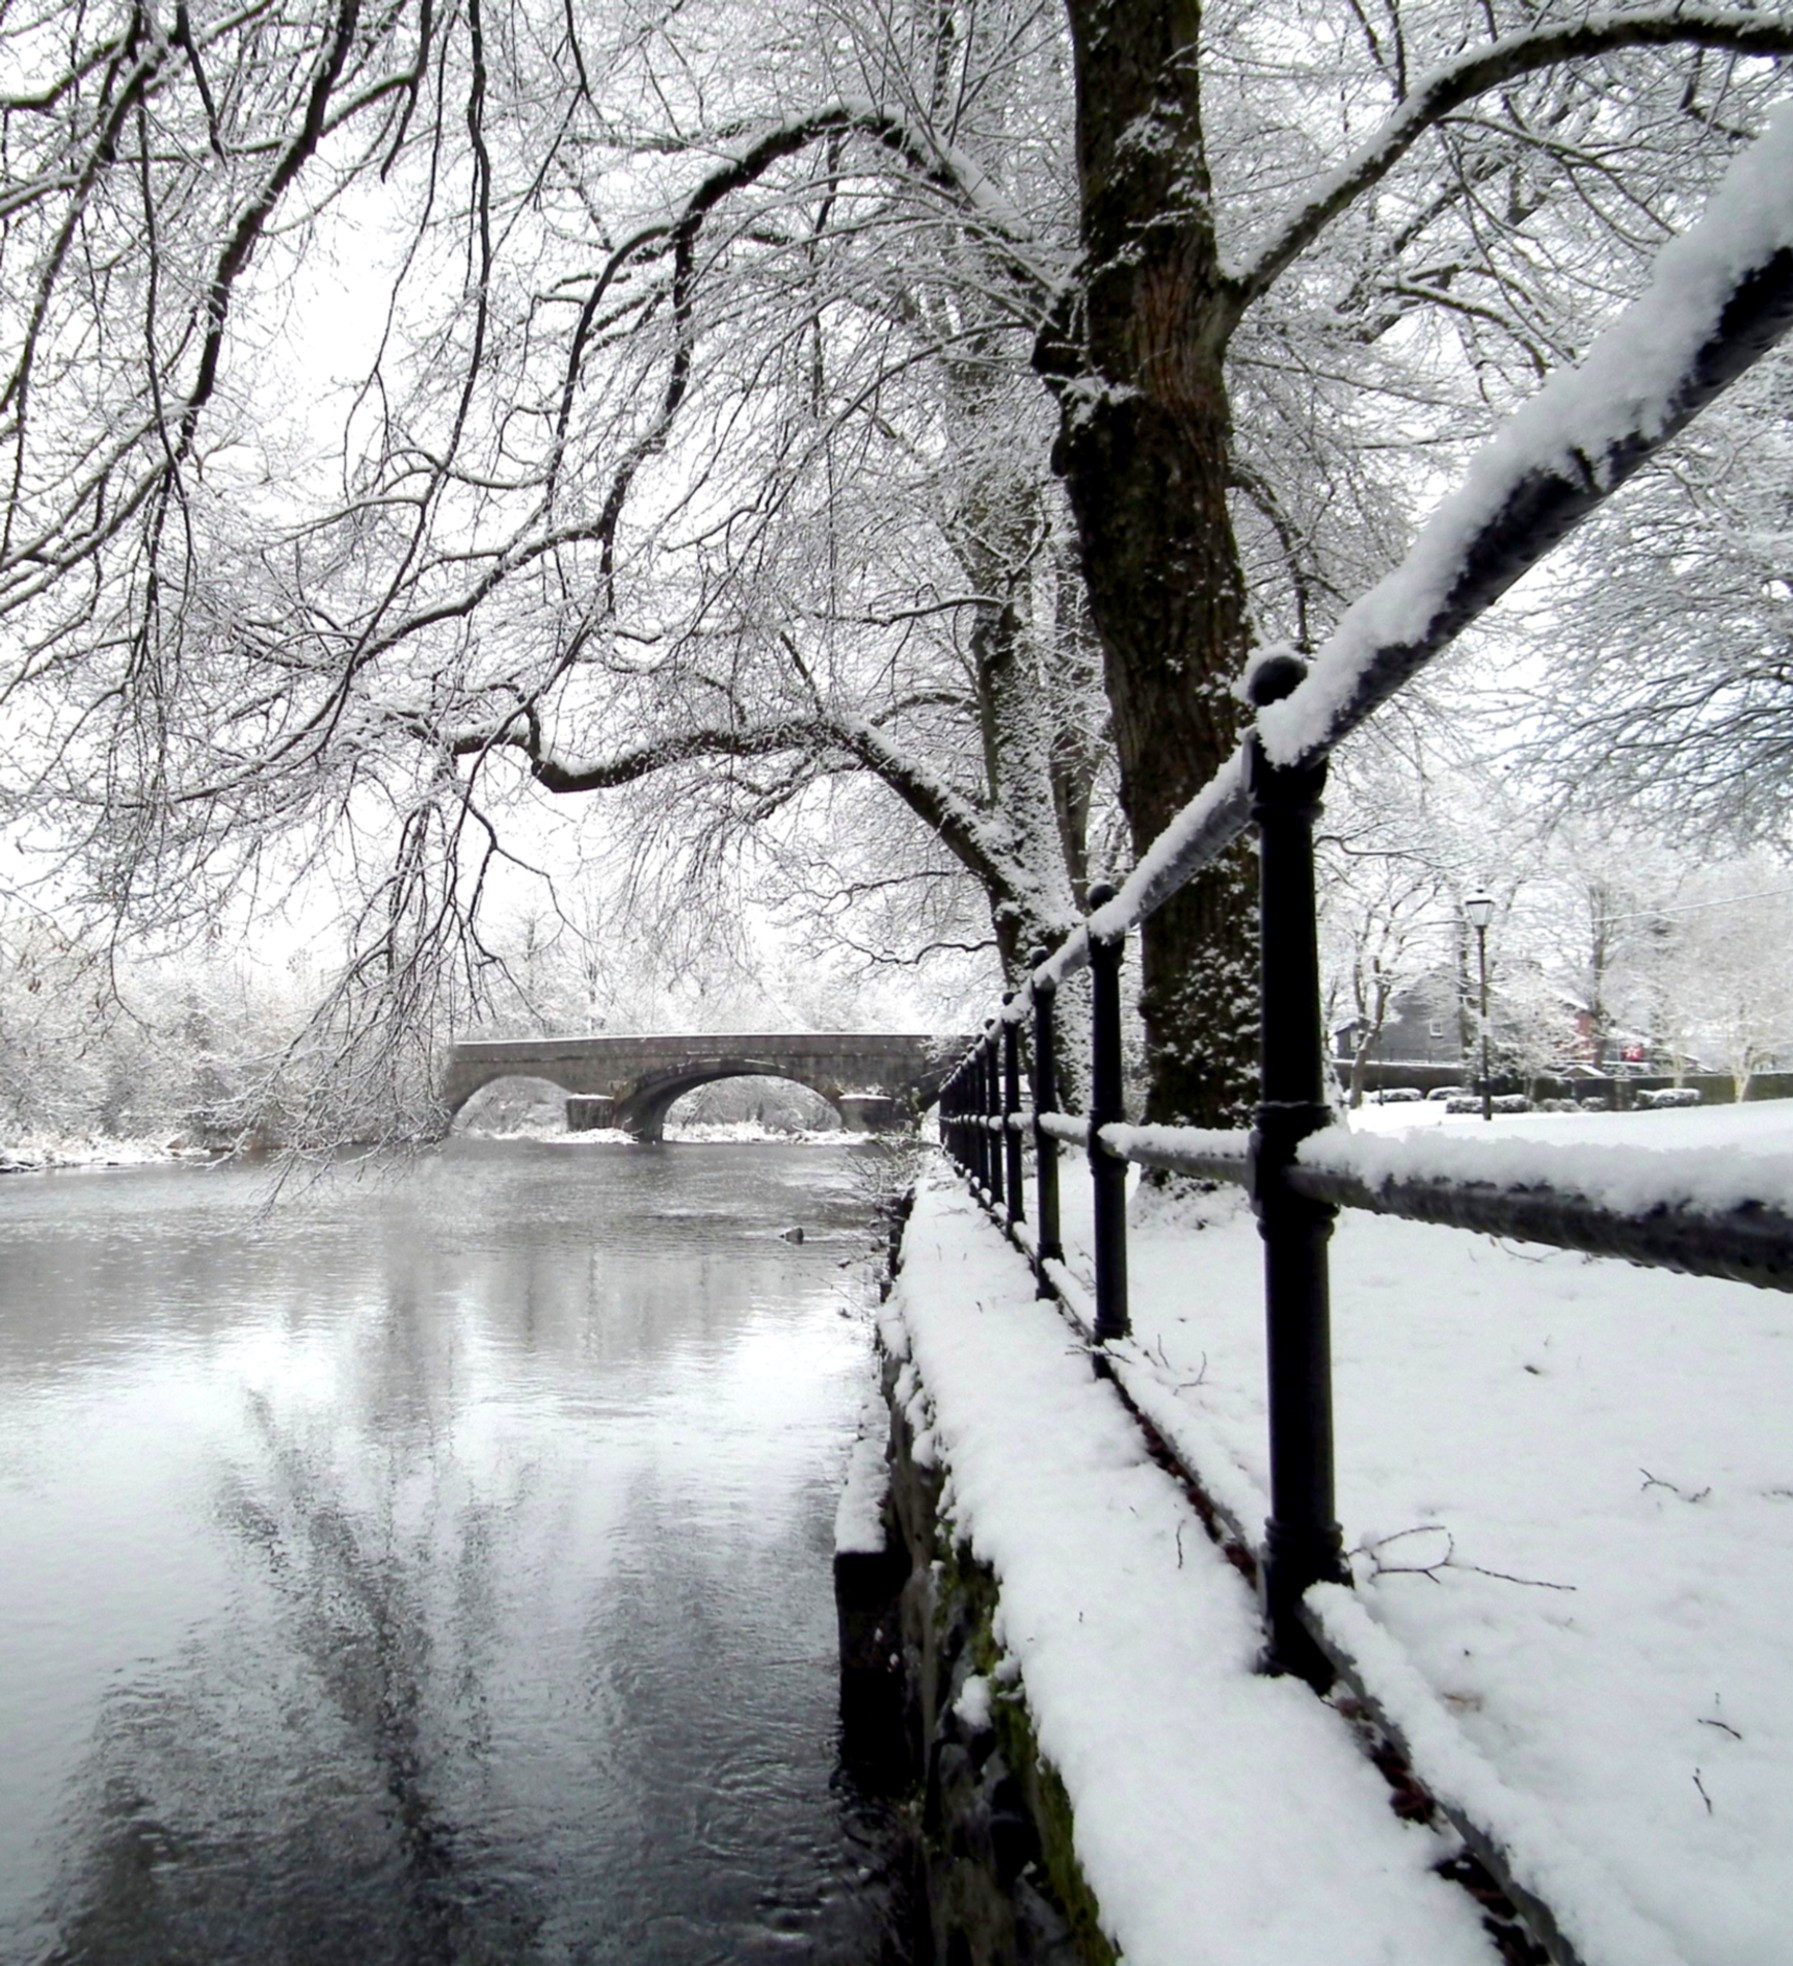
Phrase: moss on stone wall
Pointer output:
(1003, 1884)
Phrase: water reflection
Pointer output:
(437, 1572)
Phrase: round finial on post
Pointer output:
(1101, 893)
(1038, 954)
(1274, 674)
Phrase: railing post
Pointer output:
(1108, 1176)
(1045, 1100)
(993, 1164)
(967, 1145)
(1302, 1543)
(1011, 1105)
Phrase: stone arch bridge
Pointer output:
(876, 1082)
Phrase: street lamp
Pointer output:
(1479, 909)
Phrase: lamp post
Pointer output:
(1479, 909)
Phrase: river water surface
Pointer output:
(436, 1571)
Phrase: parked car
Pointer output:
(1441, 1093)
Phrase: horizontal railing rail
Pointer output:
(1711, 311)
(1752, 1243)
(1746, 1241)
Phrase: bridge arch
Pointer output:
(481, 1104)
(461, 1090)
(643, 1111)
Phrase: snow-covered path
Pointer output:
(1568, 1487)
(1222, 1819)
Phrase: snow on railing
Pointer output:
(1720, 297)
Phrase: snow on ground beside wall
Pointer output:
(1222, 1818)
(1568, 1487)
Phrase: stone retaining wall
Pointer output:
(998, 1872)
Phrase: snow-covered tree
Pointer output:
(190, 1046)
(692, 440)
(1718, 981)
(1381, 927)
(1666, 642)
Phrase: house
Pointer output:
(1424, 1026)
(1434, 1022)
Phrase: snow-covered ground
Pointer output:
(1713, 1158)
(37, 1154)
(1567, 1484)
(728, 1132)
(709, 1133)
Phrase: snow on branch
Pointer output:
(981, 842)
(1720, 296)
(1448, 87)
(948, 171)
(637, 761)
(978, 840)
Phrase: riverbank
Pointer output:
(40, 1155)
(702, 1133)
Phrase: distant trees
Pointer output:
(1666, 642)
(1390, 877)
(1710, 973)
(1606, 950)
(1389, 916)
(195, 1051)
(403, 407)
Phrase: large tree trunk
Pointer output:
(1145, 451)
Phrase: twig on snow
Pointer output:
(1372, 1549)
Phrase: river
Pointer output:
(435, 1570)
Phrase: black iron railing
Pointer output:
(1274, 783)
